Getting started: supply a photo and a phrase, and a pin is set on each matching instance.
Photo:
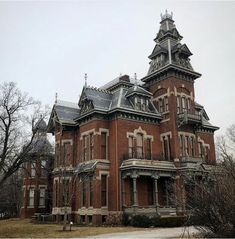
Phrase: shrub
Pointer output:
(141, 221)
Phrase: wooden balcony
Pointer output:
(187, 118)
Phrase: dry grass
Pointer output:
(23, 228)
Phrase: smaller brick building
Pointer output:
(127, 147)
(37, 181)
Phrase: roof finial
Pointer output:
(85, 79)
(56, 97)
(166, 15)
(135, 77)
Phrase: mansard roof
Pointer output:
(204, 117)
(64, 113)
(100, 100)
(138, 90)
(106, 101)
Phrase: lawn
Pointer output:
(23, 228)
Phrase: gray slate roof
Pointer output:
(137, 90)
(107, 101)
(101, 99)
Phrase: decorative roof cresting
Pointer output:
(166, 15)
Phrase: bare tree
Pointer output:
(213, 201)
(20, 116)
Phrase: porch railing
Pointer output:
(146, 156)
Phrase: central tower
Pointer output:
(170, 79)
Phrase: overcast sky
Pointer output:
(47, 46)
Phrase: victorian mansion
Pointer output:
(120, 146)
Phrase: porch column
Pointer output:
(123, 192)
(155, 178)
(134, 178)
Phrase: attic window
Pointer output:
(141, 103)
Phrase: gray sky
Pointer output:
(47, 46)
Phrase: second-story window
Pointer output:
(166, 103)
(188, 104)
(84, 148)
(184, 104)
(178, 104)
(161, 105)
(33, 170)
(57, 155)
(192, 146)
(200, 149)
(148, 149)
(186, 145)
(66, 153)
(43, 168)
(167, 147)
(103, 145)
(139, 146)
(131, 146)
(91, 146)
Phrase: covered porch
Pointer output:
(149, 190)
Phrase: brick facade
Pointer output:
(126, 147)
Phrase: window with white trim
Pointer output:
(31, 196)
(42, 196)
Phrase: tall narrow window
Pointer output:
(200, 149)
(138, 103)
(84, 148)
(56, 193)
(65, 196)
(43, 168)
(83, 193)
(91, 190)
(42, 196)
(148, 149)
(166, 104)
(207, 153)
(139, 146)
(103, 145)
(66, 155)
(91, 146)
(167, 147)
(188, 104)
(182, 145)
(33, 170)
(186, 145)
(178, 104)
(57, 155)
(160, 105)
(103, 190)
(157, 105)
(183, 104)
(192, 146)
(31, 196)
(131, 147)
